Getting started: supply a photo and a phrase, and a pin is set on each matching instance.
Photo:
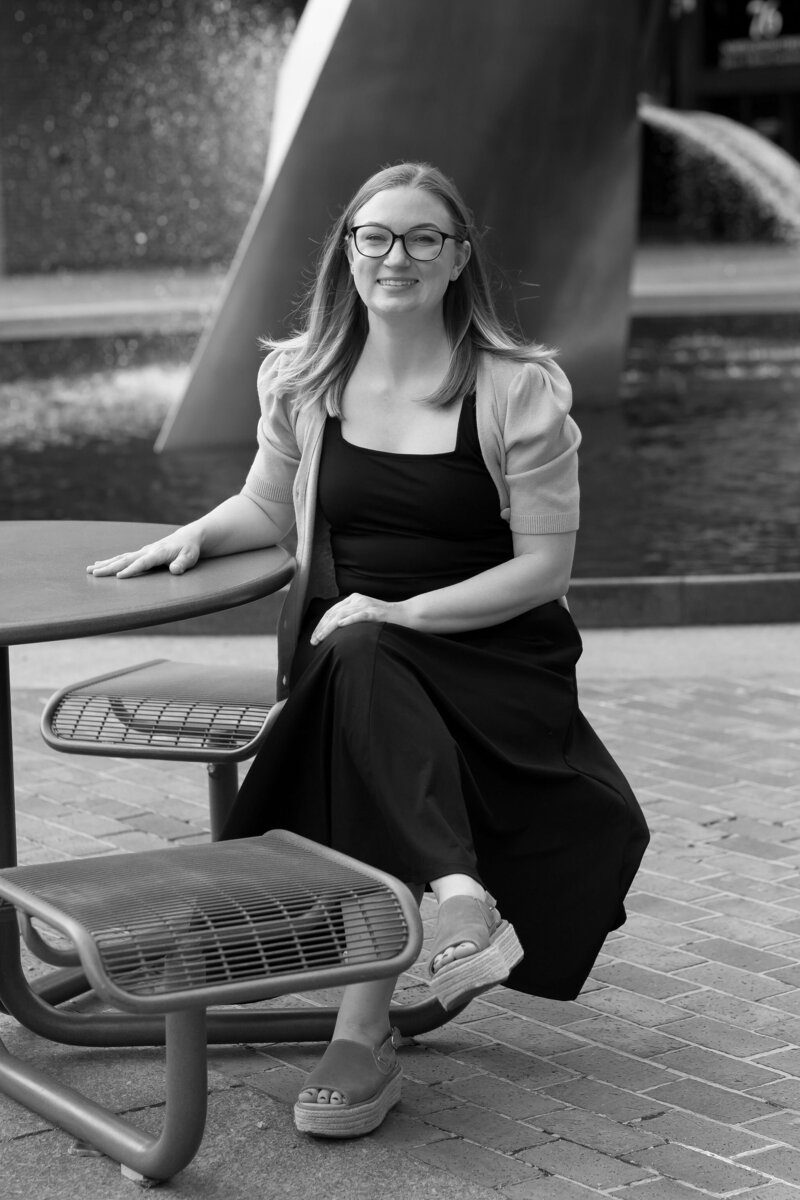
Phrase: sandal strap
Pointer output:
(358, 1072)
(464, 919)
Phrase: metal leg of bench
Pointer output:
(224, 1028)
(223, 784)
(144, 1156)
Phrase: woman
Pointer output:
(431, 728)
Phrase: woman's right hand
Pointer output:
(179, 551)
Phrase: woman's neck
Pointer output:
(398, 353)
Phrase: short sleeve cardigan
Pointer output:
(528, 440)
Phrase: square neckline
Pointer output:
(465, 402)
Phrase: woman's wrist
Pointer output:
(406, 613)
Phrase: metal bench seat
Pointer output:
(173, 931)
(169, 710)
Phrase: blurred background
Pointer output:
(132, 150)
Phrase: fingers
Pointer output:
(113, 566)
(348, 612)
(179, 557)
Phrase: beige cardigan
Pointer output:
(528, 440)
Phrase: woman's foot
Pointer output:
(351, 1089)
(473, 949)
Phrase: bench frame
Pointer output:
(178, 1020)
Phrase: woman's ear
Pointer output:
(461, 258)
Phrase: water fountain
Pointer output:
(727, 178)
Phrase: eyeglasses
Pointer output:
(376, 241)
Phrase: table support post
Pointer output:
(8, 828)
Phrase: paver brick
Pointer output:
(785, 1093)
(750, 909)
(419, 1099)
(641, 1010)
(625, 1036)
(583, 1164)
(724, 1069)
(474, 1163)
(600, 1133)
(736, 930)
(778, 1127)
(704, 1171)
(780, 1161)
(612, 1102)
(787, 1061)
(662, 885)
(500, 1095)
(428, 1066)
(525, 1034)
(656, 984)
(539, 1008)
(775, 1191)
(759, 849)
(709, 1100)
(515, 1065)
(661, 1189)
(402, 1132)
(610, 1067)
(665, 909)
(487, 1128)
(659, 958)
(550, 1187)
(745, 984)
(787, 1002)
(747, 958)
(716, 1137)
(719, 1035)
(745, 1013)
(665, 933)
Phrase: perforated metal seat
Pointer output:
(173, 931)
(169, 710)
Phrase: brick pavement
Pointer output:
(677, 1071)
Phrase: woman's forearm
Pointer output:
(235, 525)
(493, 596)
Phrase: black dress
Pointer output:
(428, 754)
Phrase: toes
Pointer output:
(320, 1096)
(464, 949)
(452, 953)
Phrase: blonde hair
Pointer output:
(325, 351)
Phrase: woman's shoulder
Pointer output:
(532, 377)
(274, 372)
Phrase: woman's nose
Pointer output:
(398, 253)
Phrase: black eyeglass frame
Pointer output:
(401, 237)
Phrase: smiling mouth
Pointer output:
(397, 283)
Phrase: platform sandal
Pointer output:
(467, 919)
(367, 1077)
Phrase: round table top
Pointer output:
(47, 594)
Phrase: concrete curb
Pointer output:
(685, 600)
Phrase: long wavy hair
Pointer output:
(327, 346)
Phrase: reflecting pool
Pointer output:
(694, 471)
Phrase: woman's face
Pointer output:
(398, 285)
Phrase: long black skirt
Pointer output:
(427, 755)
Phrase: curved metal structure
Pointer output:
(531, 108)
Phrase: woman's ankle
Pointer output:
(457, 885)
(366, 1032)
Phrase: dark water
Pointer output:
(696, 469)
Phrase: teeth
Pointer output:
(396, 283)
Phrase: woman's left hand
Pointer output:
(352, 609)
